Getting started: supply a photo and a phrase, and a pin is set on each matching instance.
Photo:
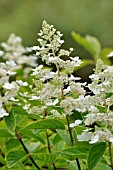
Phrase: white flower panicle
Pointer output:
(102, 79)
(49, 50)
(97, 136)
(8, 89)
(14, 51)
(98, 105)
(48, 86)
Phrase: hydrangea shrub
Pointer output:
(49, 118)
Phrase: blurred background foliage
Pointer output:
(24, 18)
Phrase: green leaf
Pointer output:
(84, 144)
(9, 145)
(31, 146)
(44, 157)
(95, 154)
(14, 156)
(46, 124)
(61, 162)
(4, 133)
(2, 161)
(56, 138)
(20, 119)
(58, 146)
(76, 115)
(15, 167)
(10, 123)
(108, 95)
(65, 136)
(104, 55)
(101, 109)
(29, 133)
(73, 165)
(19, 110)
(74, 152)
(101, 166)
(90, 43)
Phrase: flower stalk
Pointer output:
(48, 142)
(72, 141)
(26, 150)
(49, 148)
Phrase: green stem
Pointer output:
(24, 147)
(110, 154)
(47, 138)
(69, 129)
(71, 137)
(48, 143)
(49, 148)
(62, 93)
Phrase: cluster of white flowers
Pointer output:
(97, 136)
(8, 89)
(98, 105)
(52, 88)
(13, 50)
(13, 57)
(50, 42)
